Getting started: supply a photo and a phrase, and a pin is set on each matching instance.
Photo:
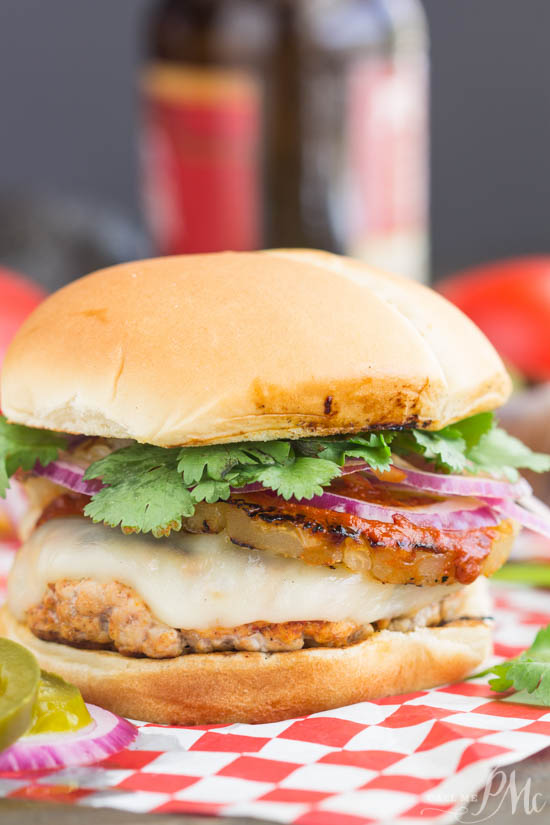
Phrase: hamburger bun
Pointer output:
(207, 349)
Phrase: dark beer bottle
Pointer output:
(288, 123)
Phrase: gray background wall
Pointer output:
(67, 114)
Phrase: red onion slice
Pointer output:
(463, 485)
(535, 505)
(534, 518)
(459, 512)
(449, 485)
(68, 475)
(108, 734)
(453, 513)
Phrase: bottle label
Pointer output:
(201, 145)
(387, 164)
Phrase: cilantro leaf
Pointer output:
(373, 448)
(370, 447)
(211, 491)
(529, 672)
(474, 428)
(216, 461)
(278, 451)
(151, 489)
(500, 454)
(473, 445)
(446, 448)
(303, 478)
(144, 492)
(21, 447)
(312, 447)
(212, 462)
(130, 462)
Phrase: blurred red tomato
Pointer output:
(510, 301)
(18, 298)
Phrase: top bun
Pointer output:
(203, 349)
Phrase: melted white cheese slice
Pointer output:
(204, 581)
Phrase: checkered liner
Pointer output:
(403, 759)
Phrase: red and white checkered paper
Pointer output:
(407, 759)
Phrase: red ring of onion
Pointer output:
(108, 734)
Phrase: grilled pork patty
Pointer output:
(112, 616)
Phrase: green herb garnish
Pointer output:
(150, 489)
(21, 447)
(528, 674)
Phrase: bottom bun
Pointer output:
(219, 688)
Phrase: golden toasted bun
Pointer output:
(238, 346)
(218, 688)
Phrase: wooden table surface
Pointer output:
(524, 799)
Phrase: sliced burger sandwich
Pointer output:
(259, 485)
